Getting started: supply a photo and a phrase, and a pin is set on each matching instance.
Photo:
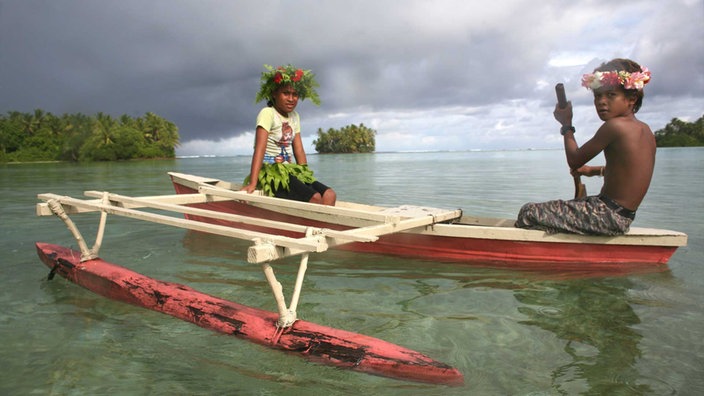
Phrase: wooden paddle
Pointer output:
(580, 190)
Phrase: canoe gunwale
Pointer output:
(475, 227)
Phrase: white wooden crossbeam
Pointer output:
(315, 243)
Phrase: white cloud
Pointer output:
(238, 145)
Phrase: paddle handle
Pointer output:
(561, 97)
(580, 190)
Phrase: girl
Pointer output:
(278, 135)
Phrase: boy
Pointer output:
(629, 148)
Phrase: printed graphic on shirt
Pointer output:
(286, 135)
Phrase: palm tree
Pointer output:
(161, 133)
(32, 122)
(103, 128)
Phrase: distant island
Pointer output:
(680, 133)
(349, 139)
(42, 136)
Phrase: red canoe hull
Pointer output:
(315, 342)
(552, 256)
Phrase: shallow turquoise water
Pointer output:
(508, 332)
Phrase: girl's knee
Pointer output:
(316, 198)
(329, 197)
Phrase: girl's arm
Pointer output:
(298, 152)
(257, 159)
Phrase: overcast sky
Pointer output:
(426, 75)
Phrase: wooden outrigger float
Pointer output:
(283, 330)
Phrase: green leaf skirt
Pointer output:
(274, 176)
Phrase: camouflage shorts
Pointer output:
(587, 216)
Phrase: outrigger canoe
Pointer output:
(280, 228)
(455, 238)
(282, 330)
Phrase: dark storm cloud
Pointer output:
(198, 63)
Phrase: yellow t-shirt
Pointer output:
(281, 130)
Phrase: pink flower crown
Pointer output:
(610, 79)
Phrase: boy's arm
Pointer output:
(589, 171)
(578, 156)
(563, 115)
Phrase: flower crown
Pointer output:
(303, 81)
(610, 79)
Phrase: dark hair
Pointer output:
(627, 65)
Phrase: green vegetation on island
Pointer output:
(680, 133)
(42, 136)
(349, 139)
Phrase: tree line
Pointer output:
(680, 133)
(42, 136)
